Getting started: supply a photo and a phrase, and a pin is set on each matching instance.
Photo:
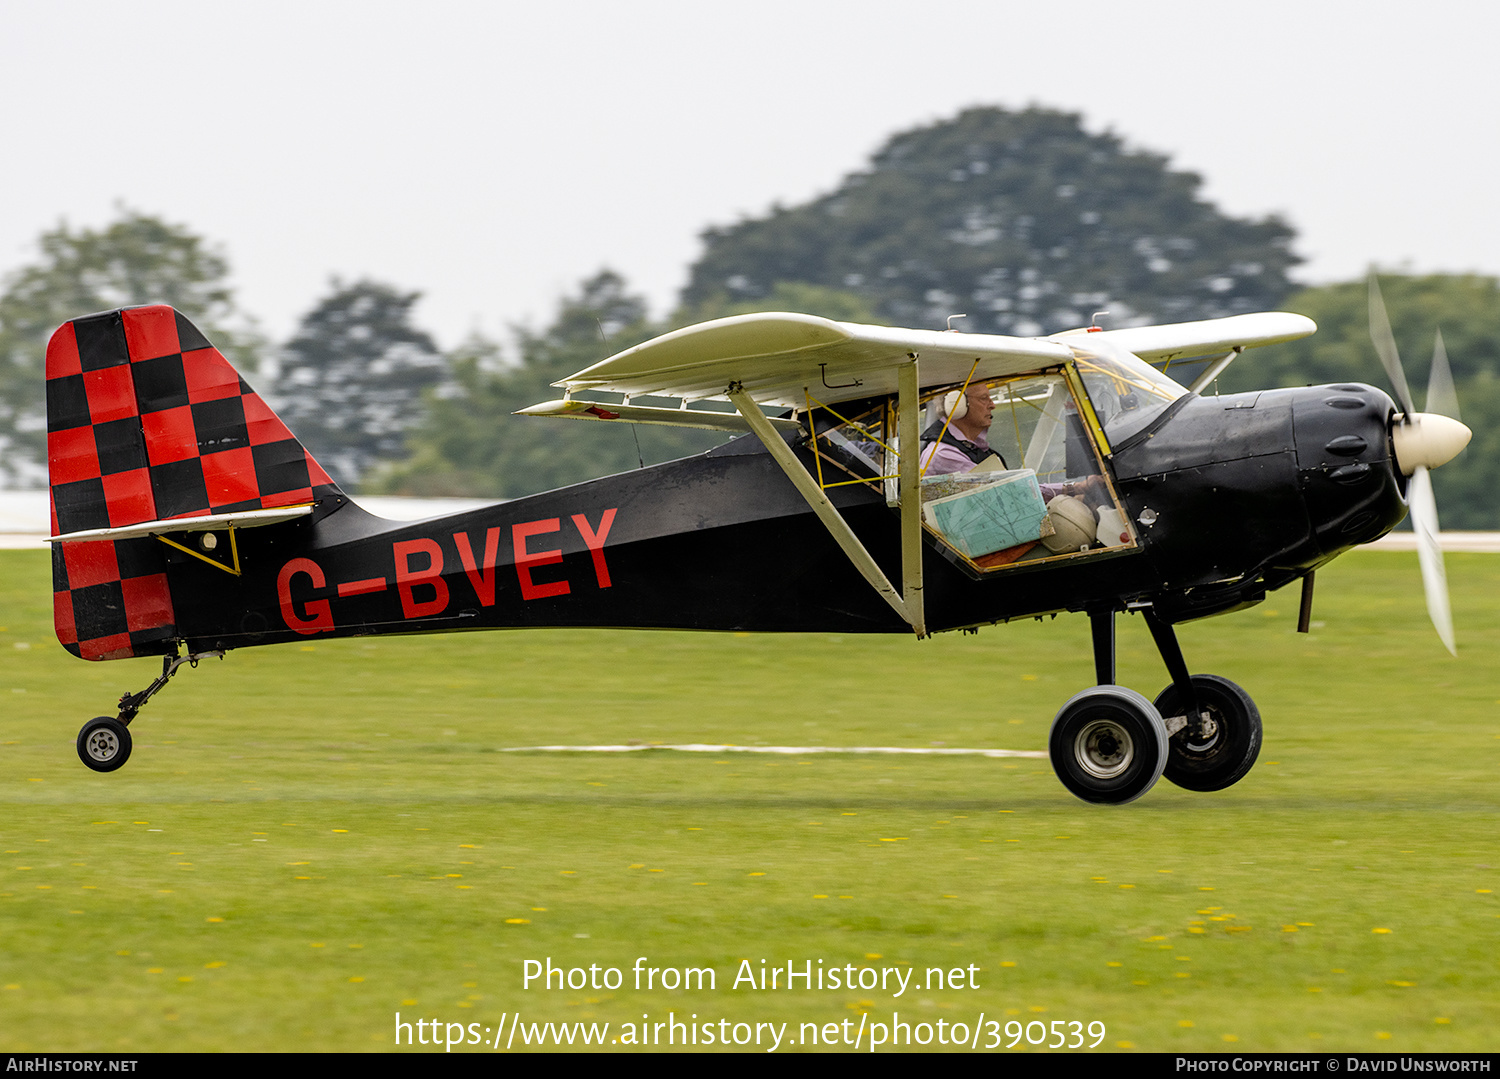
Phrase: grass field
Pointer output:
(310, 839)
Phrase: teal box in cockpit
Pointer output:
(980, 513)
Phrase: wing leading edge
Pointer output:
(779, 357)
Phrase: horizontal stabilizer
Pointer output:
(211, 522)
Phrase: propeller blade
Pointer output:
(1434, 580)
(1385, 347)
(1442, 398)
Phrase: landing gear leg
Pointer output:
(1214, 726)
(1102, 625)
(104, 743)
(1108, 744)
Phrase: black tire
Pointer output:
(1211, 760)
(104, 744)
(1108, 745)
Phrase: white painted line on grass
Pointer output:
(702, 747)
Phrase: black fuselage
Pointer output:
(1232, 496)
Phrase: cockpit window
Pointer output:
(1010, 477)
(856, 445)
(1127, 392)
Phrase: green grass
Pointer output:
(309, 839)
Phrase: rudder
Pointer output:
(147, 421)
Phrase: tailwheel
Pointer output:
(104, 744)
(1218, 746)
(1108, 745)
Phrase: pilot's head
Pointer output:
(972, 412)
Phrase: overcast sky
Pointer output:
(491, 155)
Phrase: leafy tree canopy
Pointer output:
(798, 296)
(138, 259)
(470, 444)
(1023, 220)
(1466, 308)
(353, 374)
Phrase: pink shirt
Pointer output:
(946, 458)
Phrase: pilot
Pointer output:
(965, 441)
(965, 444)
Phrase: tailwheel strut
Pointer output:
(104, 743)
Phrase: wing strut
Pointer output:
(908, 602)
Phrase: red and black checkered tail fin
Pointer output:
(146, 422)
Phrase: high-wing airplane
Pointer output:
(188, 521)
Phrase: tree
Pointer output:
(1466, 307)
(838, 304)
(1022, 220)
(138, 259)
(353, 375)
(470, 444)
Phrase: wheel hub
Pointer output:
(1202, 735)
(1103, 749)
(103, 745)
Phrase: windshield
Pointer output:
(1127, 392)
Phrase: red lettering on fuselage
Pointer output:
(423, 591)
(319, 616)
(408, 579)
(528, 560)
(483, 580)
(595, 542)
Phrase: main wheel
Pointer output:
(1215, 751)
(1108, 745)
(104, 744)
